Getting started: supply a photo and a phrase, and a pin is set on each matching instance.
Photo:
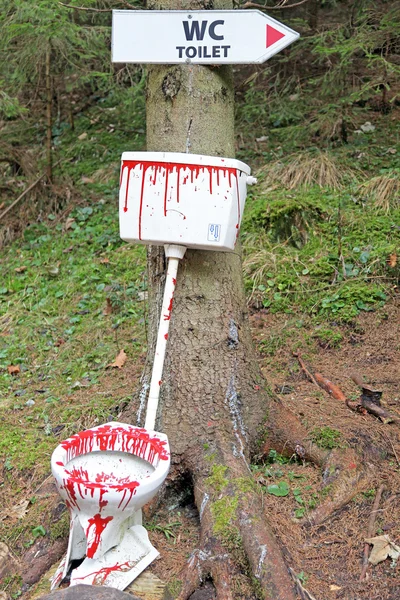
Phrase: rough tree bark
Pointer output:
(214, 403)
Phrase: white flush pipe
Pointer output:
(174, 254)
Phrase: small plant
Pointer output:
(167, 529)
(302, 577)
(278, 489)
(328, 338)
(326, 437)
(369, 493)
(275, 457)
(38, 531)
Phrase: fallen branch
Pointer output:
(328, 386)
(28, 189)
(306, 372)
(371, 401)
(33, 185)
(371, 525)
(282, 7)
(303, 593)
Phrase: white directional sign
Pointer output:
(202, 36)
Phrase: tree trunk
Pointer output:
(212, 403)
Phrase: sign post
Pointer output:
(198, 37)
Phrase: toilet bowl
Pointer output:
(105, 475)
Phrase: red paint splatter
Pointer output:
(129, 487)
(169, 309)
(101, 575)
(166, 336)
(99, 524)
(169, 168)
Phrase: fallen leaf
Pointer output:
(392, 260)
(334, 588)
(86, 180)
(54, 270)
(20, 269)
(119, 361)
(68, 223)
(104, 261)
(108, 308)
(367, 127)
(13, 369)
(382, 548)
(16, 512)
(82, 136)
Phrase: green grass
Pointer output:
(55, 327)
(321, 252)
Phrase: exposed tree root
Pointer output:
(237, 549)
(344, 474)
(343, 478)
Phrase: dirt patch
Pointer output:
(328, 558)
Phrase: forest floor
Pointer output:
(327, 559)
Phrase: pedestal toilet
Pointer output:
(105, 475)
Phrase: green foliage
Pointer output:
(328, 338)
(326, 437)
(334, 264)
(168, 529)
(278, 489)
(218, 480)
(317, 91)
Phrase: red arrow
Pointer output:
(273, 35)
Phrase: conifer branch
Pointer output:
(86, 8)
(279, 7)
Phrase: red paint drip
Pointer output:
(126, 194)
(166, 336)
(127, 489)
(238, 204)
(133, 440)
(99, 524)
(166, 191)
(169, 309)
